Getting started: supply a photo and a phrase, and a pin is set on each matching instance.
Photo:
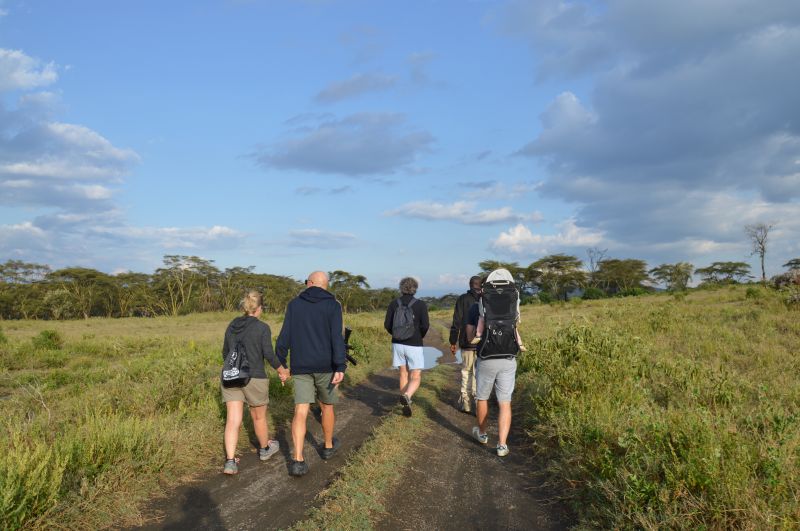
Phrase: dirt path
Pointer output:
(263, 495)
(456, 483)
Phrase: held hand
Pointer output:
(337, 378)
(452, 349)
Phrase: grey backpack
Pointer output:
(403, 321)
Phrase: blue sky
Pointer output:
(396, 138)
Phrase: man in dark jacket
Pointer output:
(407, 334)
(311, 336)
(458, 339)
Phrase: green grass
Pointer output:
(98, 415)
(664, 412)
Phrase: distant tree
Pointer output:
(180, 279)
(347, 287)
(134, 295)
(558, 274)
(90, 290)
(792, 264)
(724, 272)
(674, 276)
(19, 272)
(758, 233)
(615, 275)
(596, 255)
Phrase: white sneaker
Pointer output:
(502, 450)
(482, 438)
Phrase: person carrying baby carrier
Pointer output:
(496, 317)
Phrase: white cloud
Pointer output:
(321, 239)
(21, 72)
(520, 240)
(362, 144)
(466, 212)
(357, 85)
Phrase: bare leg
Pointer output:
(328, 421)
(259, 416)
(403, 377)
(233, 421)
(482, 414)
(299, 429)
(413, 383)
(504, 422)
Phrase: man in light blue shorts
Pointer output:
(497, 373)
(407, 322)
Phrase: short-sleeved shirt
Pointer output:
(473, 315)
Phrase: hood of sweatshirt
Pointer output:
(315, 295)
(239, 324)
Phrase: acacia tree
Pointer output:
(725, 272)
(675, 276)
(758, 233)
(346, 286)
(87, 288)
(616, 275)
(558, 274)
(792, 264)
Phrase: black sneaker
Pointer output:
(406, 401)
(327, 453)
(298, 468)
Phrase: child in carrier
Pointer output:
(501, 276)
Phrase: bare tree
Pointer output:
(758, 234)
(596, 255)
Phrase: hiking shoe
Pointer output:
(231, 467)
(298, 468)
(502, 450)
(327, 453)
(482, 438)
(270, 450)
(406, 401)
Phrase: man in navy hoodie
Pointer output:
(311, 336)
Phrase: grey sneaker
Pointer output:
(406, 401)
(272, 448)
(231, 467)
(502, 450)
(482, 438)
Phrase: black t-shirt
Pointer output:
(473, 315)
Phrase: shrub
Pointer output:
(594, 293)
(753, 293)
(545, 297)
(48, 340)
(632, 292)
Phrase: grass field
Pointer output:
(99, 414)
(669, 411)
(653, 412)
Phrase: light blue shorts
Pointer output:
(407, 355)
(498, 374)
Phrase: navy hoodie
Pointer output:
(312, 334)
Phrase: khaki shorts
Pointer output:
(255, 393)
(310, 387)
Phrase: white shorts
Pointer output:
(407, 355)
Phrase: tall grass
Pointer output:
(97, 415)
(660, 412)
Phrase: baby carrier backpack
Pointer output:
(499, 307)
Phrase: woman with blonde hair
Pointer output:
(254, 335)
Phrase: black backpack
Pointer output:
(499, 303)
(403, 320)
(236, 369)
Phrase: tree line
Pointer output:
(183, 285)
(188, 284)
